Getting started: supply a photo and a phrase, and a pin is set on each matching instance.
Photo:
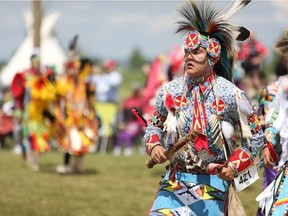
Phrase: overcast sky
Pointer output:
(114, 28)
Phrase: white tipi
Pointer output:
(51, 53)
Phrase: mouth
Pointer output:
(189, 65)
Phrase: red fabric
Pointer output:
(272, 152)
(33, 140)
(18, 85)
(201, 140)
(6, 124)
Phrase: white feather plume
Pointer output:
(227, 129)
(234, 7)
(170, 126)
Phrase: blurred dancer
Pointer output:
(33, 96)
(273, 200)
(107, 86)
(267, 107)
(77, 125)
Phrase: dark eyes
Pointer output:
(193, 52)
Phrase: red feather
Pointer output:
(169, 102)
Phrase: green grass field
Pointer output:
(111, 186)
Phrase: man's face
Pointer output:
(196, 62)
(36, 63)
(73, 72)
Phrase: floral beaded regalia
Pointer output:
(211, 105)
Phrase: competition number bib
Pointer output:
(246, 178)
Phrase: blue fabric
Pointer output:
(280, 203)
(204, 195)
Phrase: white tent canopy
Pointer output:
(51, 52)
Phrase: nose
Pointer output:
(189, 56)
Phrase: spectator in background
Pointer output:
(1, 93)
(250, 90)
(252, 53)
(239, 72)
(128, 125)
(107, 86)
(107, 83)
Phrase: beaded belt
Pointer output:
(181, 167)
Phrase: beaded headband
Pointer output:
(195, 39)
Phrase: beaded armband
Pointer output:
(240, 160)
(151, 142)
(157, 120)
(254, 123)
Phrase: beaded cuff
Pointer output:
(151, 143)
(240, 160)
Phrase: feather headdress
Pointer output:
(213, 23)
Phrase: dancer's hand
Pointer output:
(158, 155)
(267, 159)
(256, 161)
(226, 173)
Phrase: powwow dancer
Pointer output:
(33, 99)
(274, 199)
(205, 101)
(265, 100)
(77, 126)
